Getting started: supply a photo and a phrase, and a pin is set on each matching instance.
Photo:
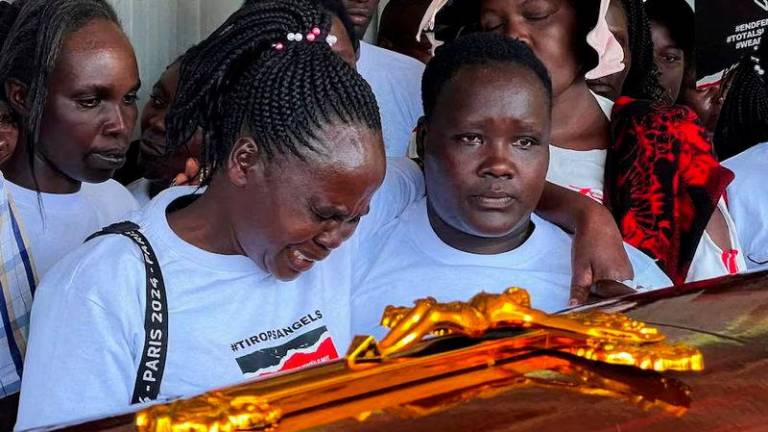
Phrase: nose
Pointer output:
(497, 162)
(157, 122)
(518, 31)
(332, 237)
(119, 122)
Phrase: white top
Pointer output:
(66, 220)
(407, 261)
(228, 320)
(396, 82)
(709, 261)
(140, 191)
(748, 203)
(582, 171)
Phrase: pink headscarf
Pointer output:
(608, 48)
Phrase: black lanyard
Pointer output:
(150, 372)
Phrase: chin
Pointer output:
(492, 229)
(97, 176)
(286, 276)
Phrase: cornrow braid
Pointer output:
(248, 77)
(31, 45)
(743, 120)
(643, 79)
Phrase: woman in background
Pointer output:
(70, 77)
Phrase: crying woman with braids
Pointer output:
(249, 277)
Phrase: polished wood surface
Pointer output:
(460, 389)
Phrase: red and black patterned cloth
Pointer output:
(663, 181)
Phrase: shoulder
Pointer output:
(403, 184)
(550, 234)
(394, 62)
(404, 170)
(752, 160)
(111, 200)
(103, 270)
(140, 191)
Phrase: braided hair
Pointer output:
(473, 50)
(32, 32)
(337, 9)
(248, 77)
(643, 78)
(743, 120)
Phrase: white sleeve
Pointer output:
(403, 185)
(80, 360)
(648, 275)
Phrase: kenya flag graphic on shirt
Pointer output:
(310, 348)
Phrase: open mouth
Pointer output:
(302, 261)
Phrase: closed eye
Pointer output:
(495, 29)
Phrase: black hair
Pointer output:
(643, 78)
(678, 18)
(336, 8)
(32, 32)
(743, 120)
(247, 77)
(473, 50)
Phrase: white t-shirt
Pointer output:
(709, 261)
(748, 203)
(66, 220)
(228, 320)
(406, 261)
(582, 171)
(140, 191)
(396, 82)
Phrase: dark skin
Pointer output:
(343, 46)
(89, 114)
(486, 151)
(361, 12)
(669, 58)
(399, 25)
(285, 213)
(611, 86)
(9, 133)
(157, 166)
(548, 27)
(705, 102)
